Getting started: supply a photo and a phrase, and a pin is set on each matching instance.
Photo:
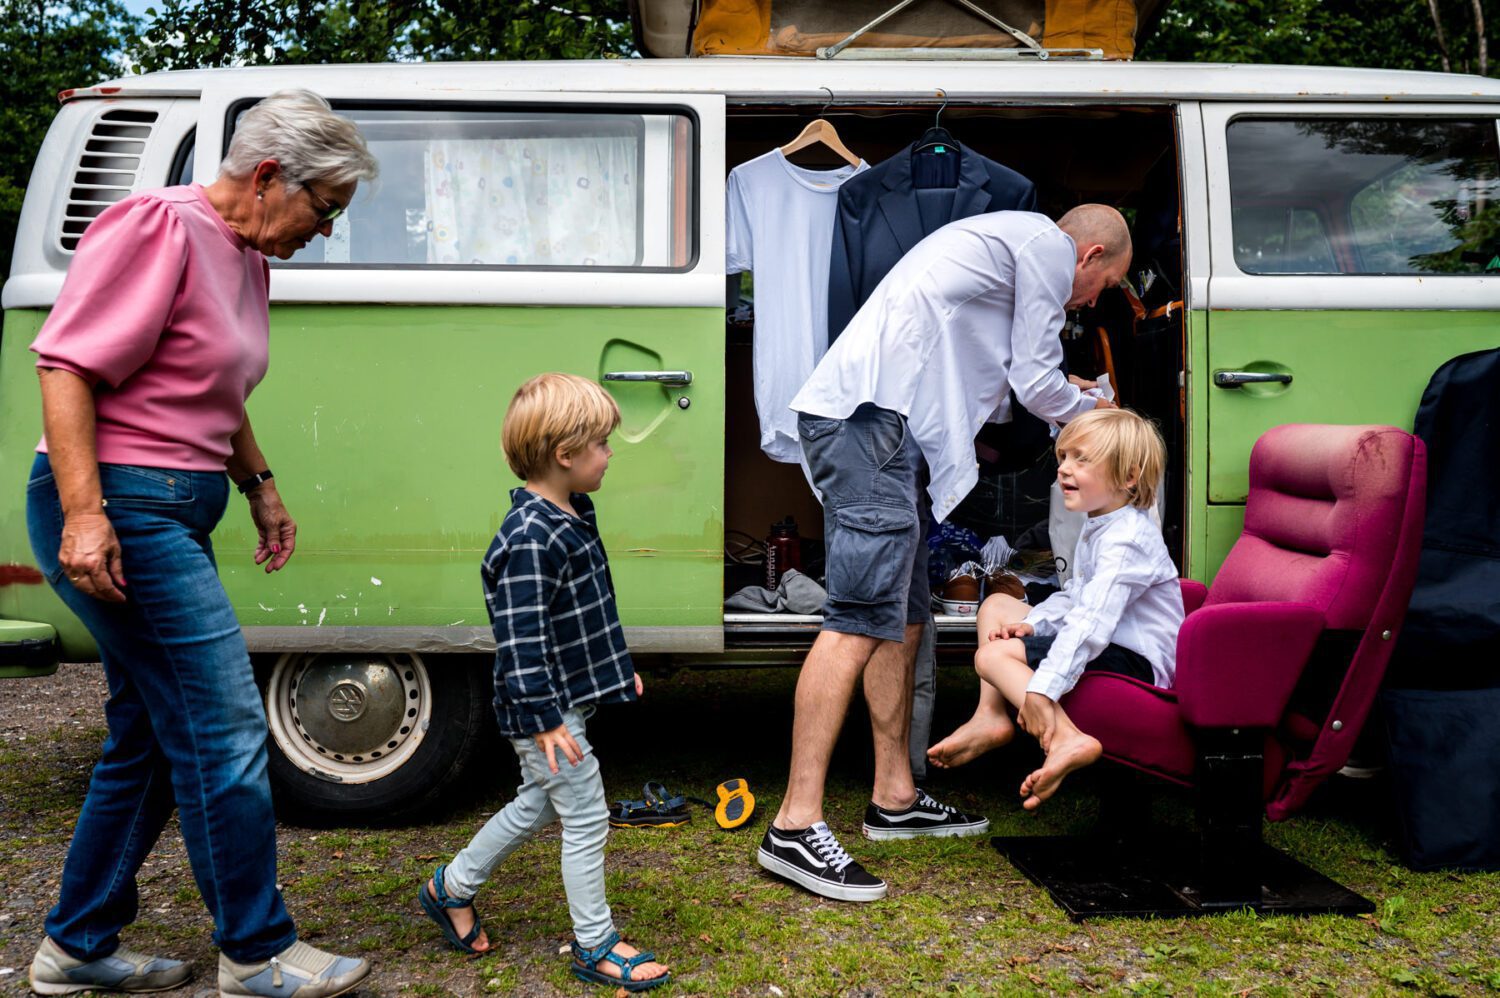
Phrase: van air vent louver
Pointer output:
(107, 170)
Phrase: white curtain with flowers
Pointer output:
(559, 201)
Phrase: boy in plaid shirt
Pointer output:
(560, 650)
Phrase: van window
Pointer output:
(1365, 195)
(490, 188)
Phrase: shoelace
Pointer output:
(828, 847)
(926, 801)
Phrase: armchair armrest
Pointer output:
(1237, 663)
(1193, 594)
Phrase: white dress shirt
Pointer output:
(973, 311)
(778, 222)
(1124, 591)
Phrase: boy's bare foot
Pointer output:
(645, 972)
(462, 919)
(972, 739)
(1067, 753)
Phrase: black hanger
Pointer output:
(937, 139)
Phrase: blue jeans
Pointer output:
(186, 723)
(573, 795)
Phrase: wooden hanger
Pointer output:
(821, 130)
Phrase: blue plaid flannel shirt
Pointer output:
(552, 605)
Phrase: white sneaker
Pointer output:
(54, 972)
(299, 971)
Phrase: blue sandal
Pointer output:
(585, 969)
(660, 808)
(435, 911)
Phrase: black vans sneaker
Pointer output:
(814, 859)
(925, 817)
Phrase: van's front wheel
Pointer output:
(370, 737)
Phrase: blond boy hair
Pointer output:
(1126, 445)
(553, 412)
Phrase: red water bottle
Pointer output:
(783, 551)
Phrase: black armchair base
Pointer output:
(1092, 877)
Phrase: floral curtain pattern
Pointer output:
(558, 201)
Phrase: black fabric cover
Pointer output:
(1445, 768)
(1451, 638)
(1442, 702)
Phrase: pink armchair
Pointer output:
(1278, 664)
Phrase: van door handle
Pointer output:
(1234, 379)
(677, 379)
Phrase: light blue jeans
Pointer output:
(575, 796)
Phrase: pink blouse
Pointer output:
(164, 313)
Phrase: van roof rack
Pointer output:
(1030, 47)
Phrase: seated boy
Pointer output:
(1119, 613)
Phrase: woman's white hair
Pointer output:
(299, 130)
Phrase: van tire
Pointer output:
(372, 738)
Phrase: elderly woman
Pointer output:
(158, 337)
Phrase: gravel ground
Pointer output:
(959, 920)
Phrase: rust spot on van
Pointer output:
(107, 90)
(63, 95)
(20, 575)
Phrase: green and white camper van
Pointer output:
(1332, 236)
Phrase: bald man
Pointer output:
(971, 314)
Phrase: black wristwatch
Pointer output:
(245, 485)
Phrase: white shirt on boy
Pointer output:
(1124, 591)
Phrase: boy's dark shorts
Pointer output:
(868, 469)
(1120, 661)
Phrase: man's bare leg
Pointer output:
(888, 693)
(824, 689)
(991, 726)
(1069, 750)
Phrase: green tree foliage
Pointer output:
(1388, 34)
(194, 33)
(46, 47)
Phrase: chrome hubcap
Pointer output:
(349, 718)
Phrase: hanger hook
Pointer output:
(938, 118)
(828, 104)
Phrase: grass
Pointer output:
(959, 920)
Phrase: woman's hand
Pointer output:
(277, 529)
(640, 687)
(1081, 383)
(90, 556)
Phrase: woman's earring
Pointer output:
(260, 195)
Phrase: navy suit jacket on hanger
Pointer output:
(879, 220)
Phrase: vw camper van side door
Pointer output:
(509, 234)
(1353, 252)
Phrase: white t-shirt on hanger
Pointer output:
(779, 224)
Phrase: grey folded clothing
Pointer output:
(796, 593)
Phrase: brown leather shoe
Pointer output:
(960, 594)
(963, 587)
(1001, 581)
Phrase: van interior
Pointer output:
(1122, 156)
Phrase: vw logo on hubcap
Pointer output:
(347, 701)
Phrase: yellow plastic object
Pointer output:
(736, 804)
